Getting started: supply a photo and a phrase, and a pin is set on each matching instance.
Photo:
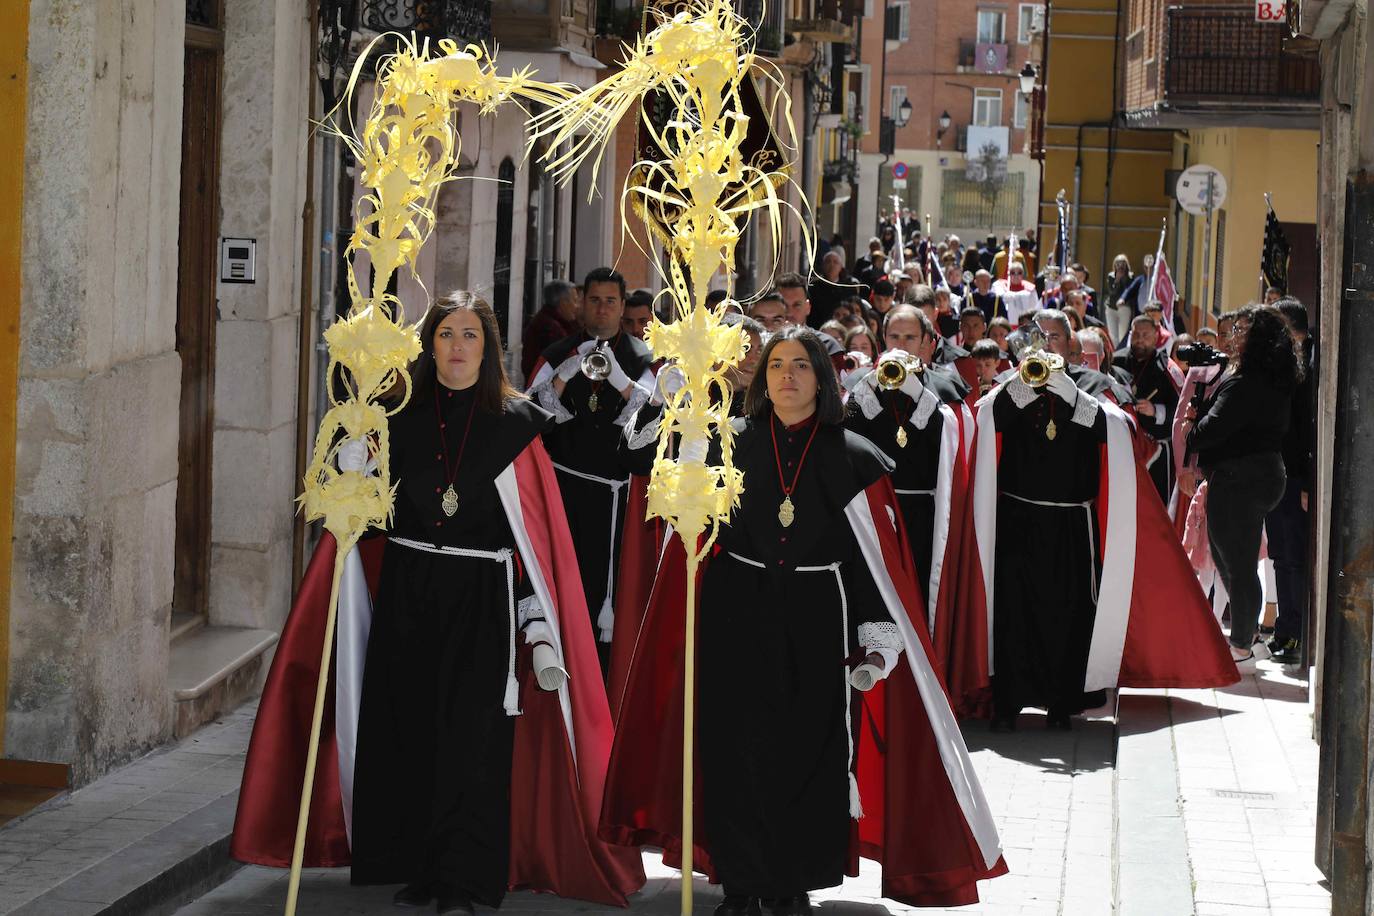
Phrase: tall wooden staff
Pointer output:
(407, 148)
(710, 166)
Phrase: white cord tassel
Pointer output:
(512, 698)
(605, 621)
(856, 805)
(512, 701)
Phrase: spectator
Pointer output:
(1076, 301)
(999, 329)
(862, 340)
(847, 313)
(973, 326)
(1115, 312)
(988, 362)
(837, 247)
(792, 289)
(982, 296)
(1080, 274)
(835, 330)
(828, 289)
(1239, 442)
(947, 309)
(558, 318)
(1093, 348)
(770, 311)
(1207, 336)
(1272, 294)
(1286, 525)
(883, 294)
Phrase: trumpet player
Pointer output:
(1074, 580)
(594, 382)
(1058, 338)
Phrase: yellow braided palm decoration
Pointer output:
(700, 58)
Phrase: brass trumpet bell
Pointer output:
(893, 370)
(1036, 366)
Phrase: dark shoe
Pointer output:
(1286, 651)
(1059, 721)
(1003, 724)
(796, 905)
(413, 896)
(1265, 632)
(738, 905)
(452, 903)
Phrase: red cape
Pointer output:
(640, 547)
(556, 777)
(1171, 638)
(914, 823)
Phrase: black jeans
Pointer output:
(1288, 532)
(1240, 493)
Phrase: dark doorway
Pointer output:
(505, 226)
(197, 308)
(1304, 266)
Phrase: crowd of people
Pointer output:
(964, 498)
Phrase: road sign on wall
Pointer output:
(899, 170)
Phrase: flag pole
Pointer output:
(1159, 253)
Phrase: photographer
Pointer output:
(1239, 442)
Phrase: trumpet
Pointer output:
(856, 360)
(595, 365)
(1038, 363)
(893, 370)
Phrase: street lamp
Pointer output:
(944, 122)
(904, 113)
(1027, 76)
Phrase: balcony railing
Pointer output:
(768, 19)
(1212, 59)
(462, 20)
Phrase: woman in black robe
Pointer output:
(431, 797)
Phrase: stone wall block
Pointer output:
(239, 586)
(158, 555)
(243, 374)
(135, 425)
(169, 36)
(285, 333)
(51, 478)
(52, 407)
(241, 499)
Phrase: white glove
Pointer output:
(617, 378)
(864, 677)
(1060, 384)
(912, 386)
(548, 668)
(670, 381)
(352, 455)
(570, 366)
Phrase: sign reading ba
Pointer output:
(899, 170)
(1271, 11)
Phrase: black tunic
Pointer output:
(589, 444)
(772, 742)
(916, 467)
(431, 799)
(1047, 565)
(1151, 381)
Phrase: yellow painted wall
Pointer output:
(1078, 81)
(14, 36)
(1252, 160)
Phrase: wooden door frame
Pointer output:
(14, 84)
(200, 41)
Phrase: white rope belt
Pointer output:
(901, 492)
(605, 620)
(505, 556)
(1087, 508)
(855, 804)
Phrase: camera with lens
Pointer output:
(1200, 354)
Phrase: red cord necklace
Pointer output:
(449, 501)
(901, 425)
(787, 513)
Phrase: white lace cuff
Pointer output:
(529, 610)
(1085, 410)
(639, 396)
(865, 396)
(637, 438)
(882, 635)
(546, 397)
(925, 409)
(1022, 395)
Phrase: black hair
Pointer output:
(829, 407)
(604, 275)
(716, 296)
(884, 287)
(639, 299)
(791, 281)
(1295, 312)
(986, 349)
(971, 311)
(1269, 349)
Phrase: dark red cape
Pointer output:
(640, 547)
(556, 779)
(913, 822)
(1171, 635)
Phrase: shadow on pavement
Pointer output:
(1087, 747)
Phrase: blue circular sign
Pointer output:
(899, 170)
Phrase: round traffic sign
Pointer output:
(1193, 186)
(899, 170)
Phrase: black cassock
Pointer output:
(431, 797)
(1047, 560)
(1151, 381)
(584, 447)
(917, 465)
(780, 612)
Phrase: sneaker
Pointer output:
(1260, 649)
(1285, 651)
(1244, 662)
